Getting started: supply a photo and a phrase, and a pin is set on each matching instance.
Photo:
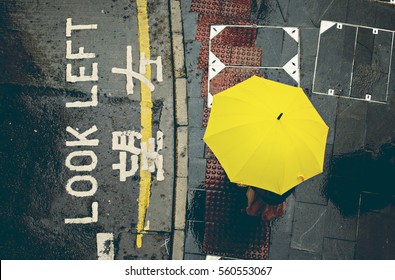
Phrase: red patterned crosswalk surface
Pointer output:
(229, 232)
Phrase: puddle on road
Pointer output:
(360, 171)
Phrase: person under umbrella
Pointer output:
(265, 204)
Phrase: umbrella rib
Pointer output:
(296, 134)
(231, 128)
(244, 100)
(256, 149)
(312, 121)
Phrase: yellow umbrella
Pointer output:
(266, 134)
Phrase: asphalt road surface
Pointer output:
(87, 130)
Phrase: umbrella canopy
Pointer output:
(266, 134)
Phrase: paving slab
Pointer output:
(336, 10)
(383, 17)
(307, 73)
(356, 15)
(196, 144)
(309, 41)
(376, 232)
(335, 249)
(379, 122)
(194, 75)
(279, 75)
(309, 227)
(279, 245)
(196, 202)
(193, 84)
(277, 46)
(194, 237)
(295, 254)
(339, 227)
(190, 20)
(195, 257)
(269, 12)
(197, 173)
(195, 107)
(327, 108)
(299, 15)
(308, 52)
(350, 126)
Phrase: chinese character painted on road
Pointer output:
(151, 160)
(124, 141)
(130, 74)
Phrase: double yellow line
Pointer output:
(145, 117)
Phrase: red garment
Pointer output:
(258, 207)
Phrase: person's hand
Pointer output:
(255, 204)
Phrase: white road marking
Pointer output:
(105, 246)
(85, 220)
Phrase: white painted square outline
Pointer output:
(215, 64)
(374, 31)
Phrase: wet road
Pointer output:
(85, 166)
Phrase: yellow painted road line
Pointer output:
(145, 117)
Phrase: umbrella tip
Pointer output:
(279, 116)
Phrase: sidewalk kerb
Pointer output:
(181, 102)
(178, 244)
(181, 119)
(178, 52)
(177, 39)
(176, 20)
(180, 201)
(182, 152)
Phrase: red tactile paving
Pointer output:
(209, 153)
(233, 240)
(236, 36)
(219, 83)
(207, 7)
(236, 8)
(229, 8)
(206, 115)
(204, 84)
(205, 21)
(229, 231)
(203, 56)
(229, 77)
(203, 27)
(221, 207)
(246, 56)
(215, 175)
(223, 52)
